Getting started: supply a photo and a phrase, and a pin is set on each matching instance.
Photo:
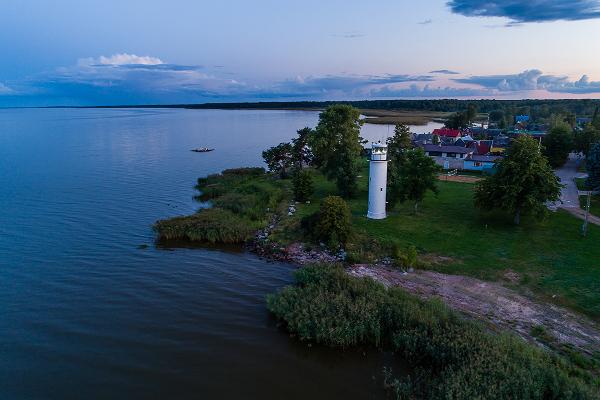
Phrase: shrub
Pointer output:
(331, 224)
(406, 258)
(213, 225)
(303, 185)
(450, 357)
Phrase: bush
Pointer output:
(450, 357)
(303, 185)
(213, 225)
(405, 258)
(242, 200)
(331, 224)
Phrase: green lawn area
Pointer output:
(594, 205)
(580, 182)
(551, 257)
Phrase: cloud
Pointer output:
(340, 84)
(349, 35)
(428, 91)
(444, 72)
(127, 79)
(533, 79)
(121, 59)
(519, 11)
(5, 90)
(426, 22)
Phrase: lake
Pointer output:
(91, 308)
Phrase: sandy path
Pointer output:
(493, 303)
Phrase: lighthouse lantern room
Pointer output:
(377, 181)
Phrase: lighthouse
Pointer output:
(377, 181)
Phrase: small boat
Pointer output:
(202, 150)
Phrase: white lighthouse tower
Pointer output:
(377, 181)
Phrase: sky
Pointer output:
(112, 52)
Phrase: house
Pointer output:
(476, 162)
(452, 134)
(483, 147)
(449, 157)
(522, 119)
(581, 121)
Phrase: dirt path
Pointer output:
(495, 304)
(459, 178)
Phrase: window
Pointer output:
(477, 164)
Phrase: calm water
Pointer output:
(90, 308)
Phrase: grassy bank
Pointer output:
(393, 117)
(550, 256)
(242, 201)
(449, 356)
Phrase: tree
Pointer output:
(334, 226)
(336, 145)
(301, 152)
(302, 183)
(558, 144)
(279, 159)
(586, 138)
(496, 115)
(397, 147)
(593, 167)
(416, 174)
(523, 183)
(462, 119)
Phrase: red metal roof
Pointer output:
(454, 133)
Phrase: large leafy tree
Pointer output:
(336, 145)
(462, 119)
(301, 151)
(586, 138)
(416, 174)
(397, 147)
(523, 183)
(593, 167)
(558, 144)
(279, 159)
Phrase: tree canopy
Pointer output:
(337, 145)
(524, 182)
(279, 159)
(397, 147)
(558, 144)
(413, 175)
(584, 139)
(593, 167)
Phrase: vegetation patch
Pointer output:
(243, 200)
(450, 356)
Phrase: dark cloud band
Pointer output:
(528, 10)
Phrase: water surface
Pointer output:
(90, 308)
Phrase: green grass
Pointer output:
(449, 357)
(243, 201)
(550, 255)
(581, 183)
(594, 205)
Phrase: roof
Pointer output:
(484, 146)
(447, 132)
(447, 149)
(476, 157)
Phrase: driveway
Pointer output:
(569, 197)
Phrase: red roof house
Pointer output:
(451, 133)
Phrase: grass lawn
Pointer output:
(594, 205)
(551, 256)
(580, 182)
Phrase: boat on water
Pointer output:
(202, 150)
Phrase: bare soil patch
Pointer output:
(496, 305)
